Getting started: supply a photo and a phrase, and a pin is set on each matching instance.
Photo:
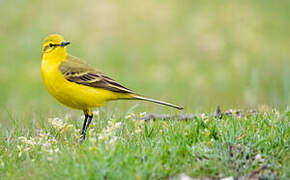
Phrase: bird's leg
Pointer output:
(85, 123)
(89, 122)
(83, 134)
(89, 117)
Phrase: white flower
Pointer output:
(203, 116)
(43, 141)
(96, 113)
(130, 116)
(56, 150)
(141, 115)
(139, 130)
(56, 123)
(59, 125)
(107, 135)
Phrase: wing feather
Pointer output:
(74, 70)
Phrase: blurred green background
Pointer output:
(198, 54)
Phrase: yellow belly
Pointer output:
(72, 94)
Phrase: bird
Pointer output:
(79, 86)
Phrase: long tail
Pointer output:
(139, 97)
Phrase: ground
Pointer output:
(247, 144)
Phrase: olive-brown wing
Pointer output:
(78, 72)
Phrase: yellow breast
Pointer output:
(72, 94)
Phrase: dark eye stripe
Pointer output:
(47, 47)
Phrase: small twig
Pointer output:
(218, 114)
(168, 117)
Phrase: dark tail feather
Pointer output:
(138, 97)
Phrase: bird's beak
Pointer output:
(64, 43)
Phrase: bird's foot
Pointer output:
(83, 138)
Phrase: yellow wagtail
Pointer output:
(77, 85)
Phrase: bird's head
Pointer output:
(54, 44)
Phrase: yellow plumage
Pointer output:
(77, 85)
(72, 94)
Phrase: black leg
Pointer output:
(89, 122)
(83, 133)
(85, 123)
(85, 127)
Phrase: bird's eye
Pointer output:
(50, 44)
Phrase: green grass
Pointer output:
(127, 147)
